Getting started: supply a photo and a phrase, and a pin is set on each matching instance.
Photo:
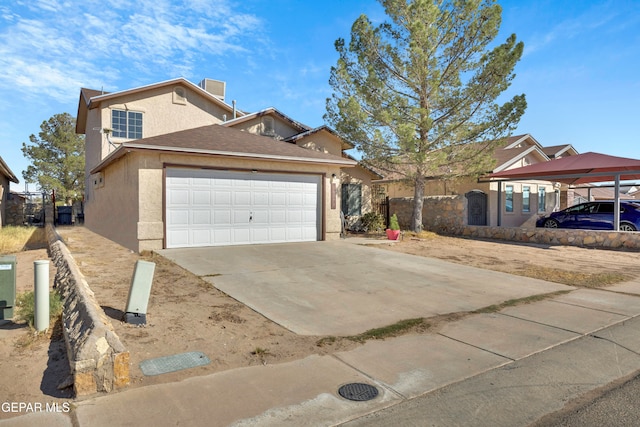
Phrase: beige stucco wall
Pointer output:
(113, 208)
(160, 114)
(282, 129)
(322, 141)
(135, 185)
(358, 175)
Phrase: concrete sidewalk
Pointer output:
(499, 369)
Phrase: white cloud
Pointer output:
(52, 47)
(570, 29)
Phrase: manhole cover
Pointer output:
(358, 391)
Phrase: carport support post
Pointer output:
(41, 295)
(616, 205)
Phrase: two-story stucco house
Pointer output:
(173, 165)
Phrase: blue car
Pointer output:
(594, 216)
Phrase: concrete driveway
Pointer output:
(338, 288)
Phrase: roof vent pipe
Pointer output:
(234, 108)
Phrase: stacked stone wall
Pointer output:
(447, 215)
(438, 212)
(98, 360)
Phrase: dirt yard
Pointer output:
(187, 314)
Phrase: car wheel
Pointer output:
(551, 223)
(625, 226)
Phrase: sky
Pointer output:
(579, 69)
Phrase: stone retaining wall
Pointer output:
(438, 212)
(98, 360)
(447, 214)
(14, 210)
(582, 238)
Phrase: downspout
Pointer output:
(499, 203)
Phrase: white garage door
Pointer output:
(214, 208)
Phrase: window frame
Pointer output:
(131, 121)
(508, 197)
(542, 199)
(526, 201)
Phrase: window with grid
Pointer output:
(126, 124)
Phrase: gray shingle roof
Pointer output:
(221, 140)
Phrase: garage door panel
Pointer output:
(241, 236)
(200, 182)
(222, 217)
(260, 217)
(201, 237)
(278, 216)
(221, 236)
(242, 198)
(201, 217)
(294, 217)
(208, 207)
(178, 237)
(261, 198)
(278, 199)
(222, 198)
(240, 217)
(179, 196)
(295, 200)
(178, 217)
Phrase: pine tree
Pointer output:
(57, 158)
(417, 94)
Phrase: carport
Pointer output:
(572, 170)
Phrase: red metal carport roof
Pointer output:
(578, 169)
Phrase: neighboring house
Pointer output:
(590, 193)
(173, 165)
(517, 202)
(6, 178)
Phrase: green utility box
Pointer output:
(7, 286)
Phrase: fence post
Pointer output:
(387, 214)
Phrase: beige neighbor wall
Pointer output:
(462, 186)
(139, 223)
(519, 217)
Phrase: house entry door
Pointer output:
(476, 207)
